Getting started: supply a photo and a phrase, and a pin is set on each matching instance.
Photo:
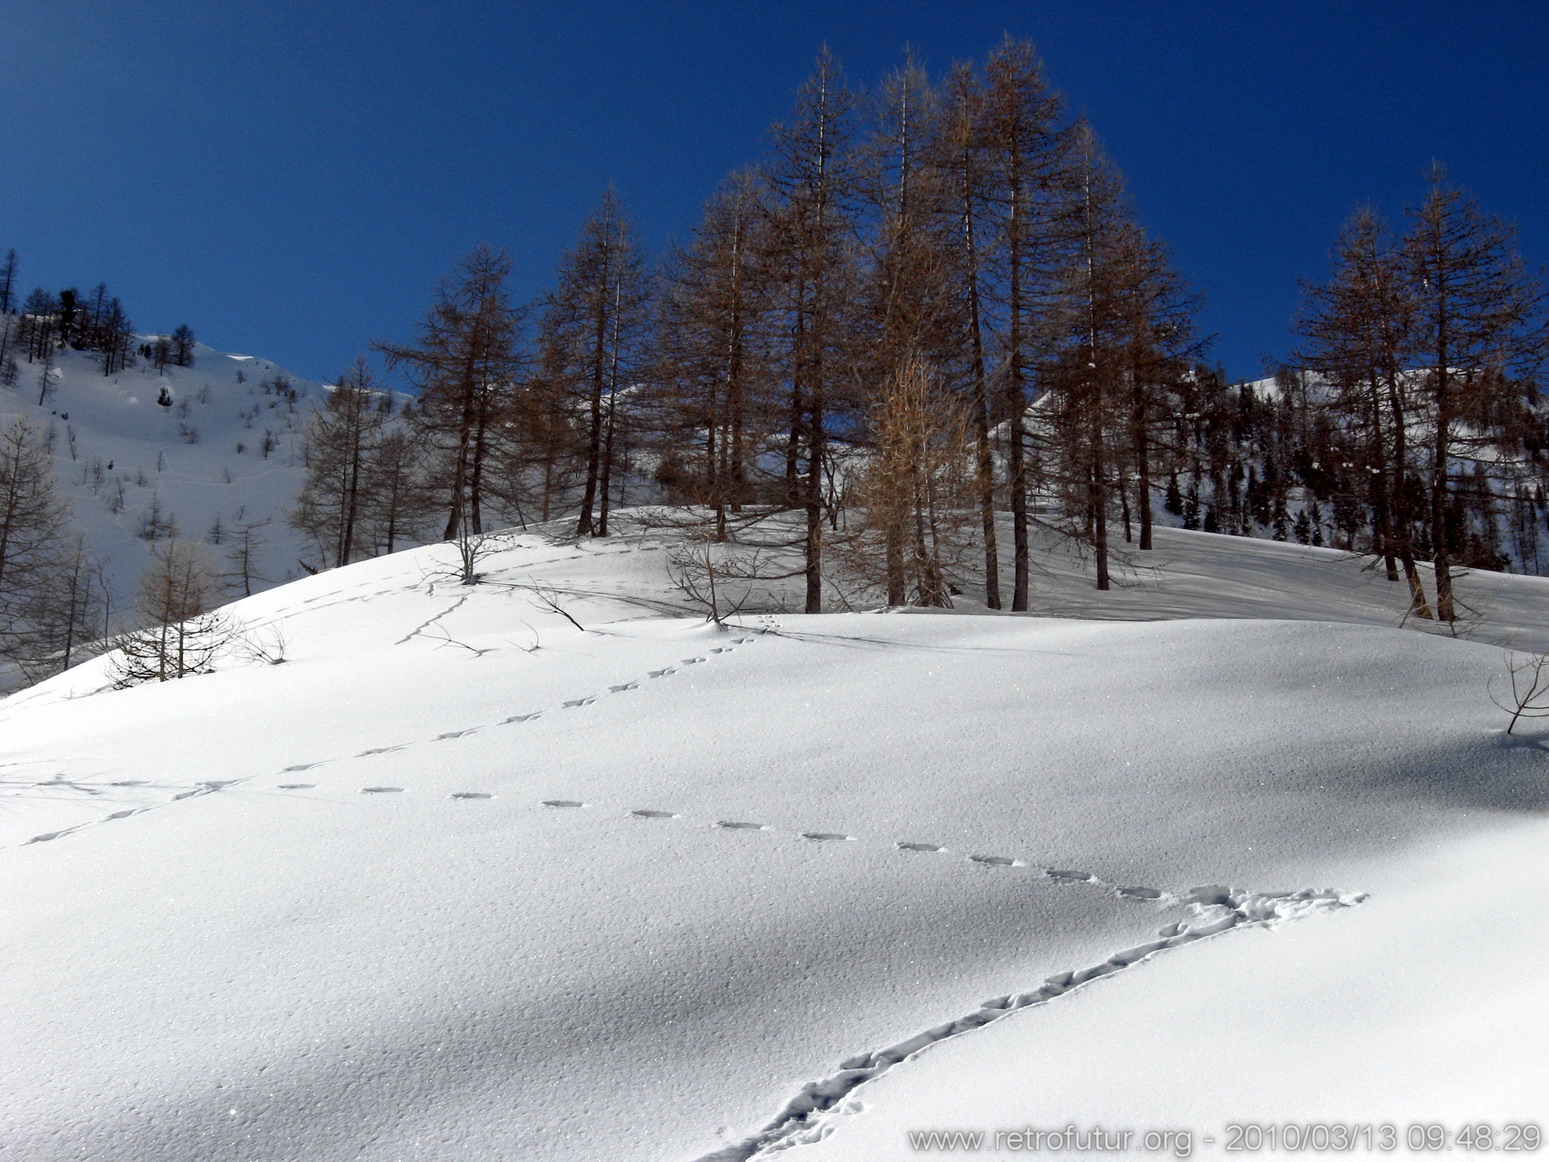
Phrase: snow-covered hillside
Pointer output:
(224, 446)
(459, 879)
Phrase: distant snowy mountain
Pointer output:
(195, 451)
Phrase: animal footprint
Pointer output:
(655, 814)
(303, 767)
(730, 825)
(381, 750)
(826, 836)
(297, 786)
(1139, 894)
(123, 814)
(379, 790)
(996, 860)
(470, 795)
(129, 783)
(515, 718)
(578, 702)
(45, 837)
(625, 686)
(1068, 877)
(663, 673)
(920, 847)
(456, 733)
(562, 803)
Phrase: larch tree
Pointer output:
(342, 438)
(466, 362)
(713, 353)
(814, 258)
(8, 295)
(913, 322)
(33, 521)
(1022, 147)
(1356, 332)
(914, 490)
(1122, 330)
(179, 633)
(593, 345)
(1479, 343)
(69, 612)
(962, 162)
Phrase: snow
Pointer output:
(100, 420)
(459, 880)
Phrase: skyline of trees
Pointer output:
(963, 252)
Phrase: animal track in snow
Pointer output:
(923, 847)
(206, 788)
(563, 803)
(1140, 895)
(997, 861)
(1209, 912)
(1069, 877)
(655, 814)
(732, 825)
(827, 836)
(470, 795)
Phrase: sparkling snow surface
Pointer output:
(460, 881)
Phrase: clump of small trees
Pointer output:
(181, 633)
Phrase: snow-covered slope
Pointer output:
(461, 880)
(225, 447)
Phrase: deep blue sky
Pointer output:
(291, 179)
